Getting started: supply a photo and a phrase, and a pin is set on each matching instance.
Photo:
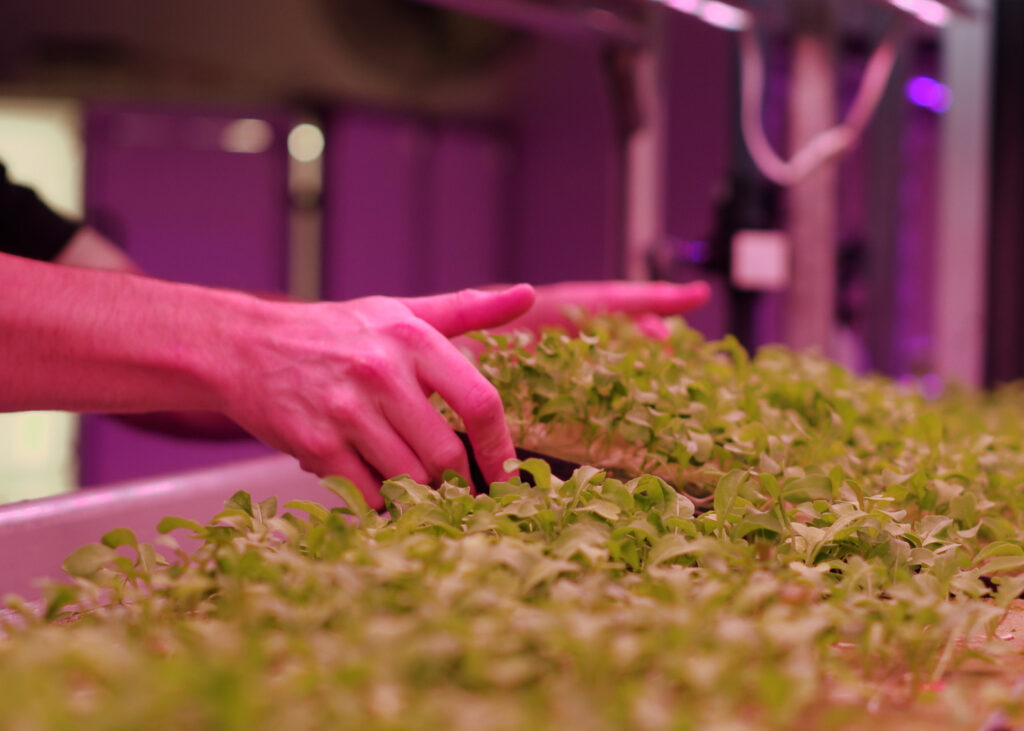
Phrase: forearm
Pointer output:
(81, 340)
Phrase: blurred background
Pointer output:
(339, 148)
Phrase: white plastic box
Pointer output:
(37, 535)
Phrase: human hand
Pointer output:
(344, 386)
(646, 302)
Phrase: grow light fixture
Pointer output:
(932, 12)
(734, 15)
(739, 15)
(713, 12)
(929, 93)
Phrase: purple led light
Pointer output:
(929, 93)
(691, 251)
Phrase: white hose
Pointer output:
(826, 145)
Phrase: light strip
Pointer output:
(713, 12)
(932, 12)
(724, 16)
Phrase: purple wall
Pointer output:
(412, 206)
(700, 78)
(566, 204)
(374, 168)
(159, 184)
(469, 205)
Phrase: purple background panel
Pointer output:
(158, 183)
(469, 204)
(375, 171)
(568, 216)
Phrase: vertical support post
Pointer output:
(963, 208)
(813, 202)
(305, 223)
(646, 155)
(884, 159)
(1005, 355)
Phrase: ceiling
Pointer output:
(421, 54)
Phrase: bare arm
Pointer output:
(341, 386)
(88, 249)
(98, 341)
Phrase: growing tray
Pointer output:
(37, 535)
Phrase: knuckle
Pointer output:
(345, 408)
(409, 332)
(464, 300)
(483, 402)
(316, 449)
(371, 366)
(447, 456)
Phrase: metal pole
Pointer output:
(813, 202)
(963, 208)
(646, 154)
(883, 147)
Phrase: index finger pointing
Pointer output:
(635, 298)
(471, 309)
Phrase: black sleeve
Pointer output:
(27, 226)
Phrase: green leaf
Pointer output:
(703, 445)
(89, 559)
(314, 510)
(268, 508)
(241, 500)
(808, 489)
(404, 489)
(538, 469)
(350, 494)
(726, 492)
(752, 522)
(1003, 563)
(999, 548)
(57, 597)
(166, 525)
(673, 545)
(770, 485)
(120, 537)
(547, 569)
(149, 559)
(607, 510)
(1009, 589)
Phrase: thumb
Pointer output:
(471, 309)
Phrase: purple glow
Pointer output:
(690, 251)
(724, 16)
(933, 13)
(683, 6)
(929, 93)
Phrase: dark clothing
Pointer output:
(27, 226)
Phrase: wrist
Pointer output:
(220, 356)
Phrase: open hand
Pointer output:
(344, 386)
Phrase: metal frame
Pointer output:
(963, 210)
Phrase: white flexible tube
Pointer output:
(828, 144)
